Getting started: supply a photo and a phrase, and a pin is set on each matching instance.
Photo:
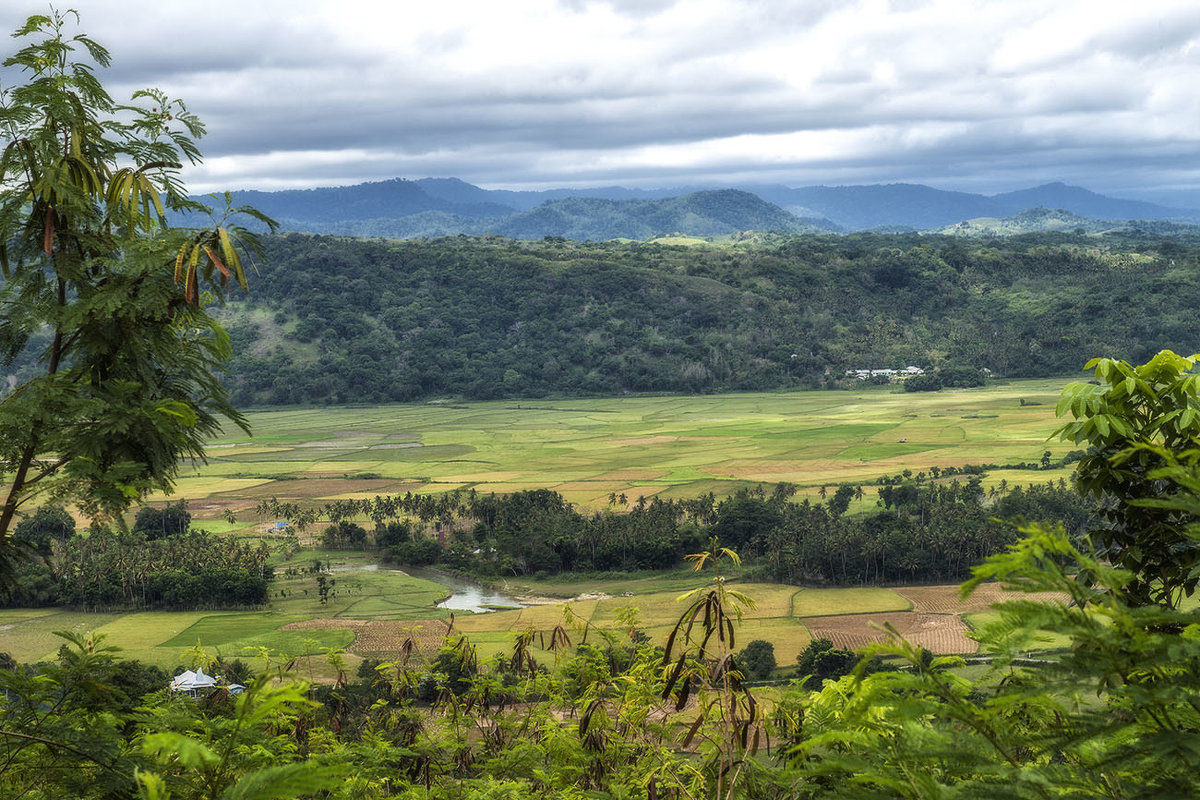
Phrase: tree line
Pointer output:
(102, 569)
(916, 528)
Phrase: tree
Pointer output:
(99, 291)
(757, 659)
(823, 661)
(173, 519)
(1135, 419)
(47, 524)
(841, 500)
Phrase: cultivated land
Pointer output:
(638, 446)
(371, 612)
(585, 449)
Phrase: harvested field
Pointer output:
(942, 634)
(946, 600)
(382, 638)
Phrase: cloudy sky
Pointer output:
(958, 94)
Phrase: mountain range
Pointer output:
(432, 207)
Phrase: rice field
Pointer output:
(590, 449)
(587, 450)
(376, 611)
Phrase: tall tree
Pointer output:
(108, 297)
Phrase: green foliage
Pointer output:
(45, 526)
(342, 320)
(1104, 719)
(928, 531)
(822, 661)
(230, 757)
(173, 519)
(99, 293)
(190, 570)
(757, 659)
(1135, 419)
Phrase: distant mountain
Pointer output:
(708, 213)
(903, 205)
(1085, 203)
(900, 206)
(447, 206)
(394, 198)
(459, 191)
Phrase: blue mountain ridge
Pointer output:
(440, 206)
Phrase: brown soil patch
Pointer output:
(939, 633)
(320, 487)
(945, 599)
(382, 637)
(349, 443)
(215, 508)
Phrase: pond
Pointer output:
(465, 594)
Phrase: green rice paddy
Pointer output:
(586, 449)
(637, 446)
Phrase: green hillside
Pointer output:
(340, 320)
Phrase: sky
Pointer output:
(971, 95)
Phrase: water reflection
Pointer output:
(466, 595)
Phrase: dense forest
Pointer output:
(332, 320)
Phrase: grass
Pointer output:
(861, 600)
(781, 616)
(32, 638)
(588, 449)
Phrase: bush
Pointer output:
(960, 377)
(923, 383)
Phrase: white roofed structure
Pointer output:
(192, 682)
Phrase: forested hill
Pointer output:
(342, 320)
(394, 209)
(714, 213)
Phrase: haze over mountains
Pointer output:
(446, 206)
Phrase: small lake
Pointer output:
(465, 595)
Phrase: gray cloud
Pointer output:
(978, 95)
